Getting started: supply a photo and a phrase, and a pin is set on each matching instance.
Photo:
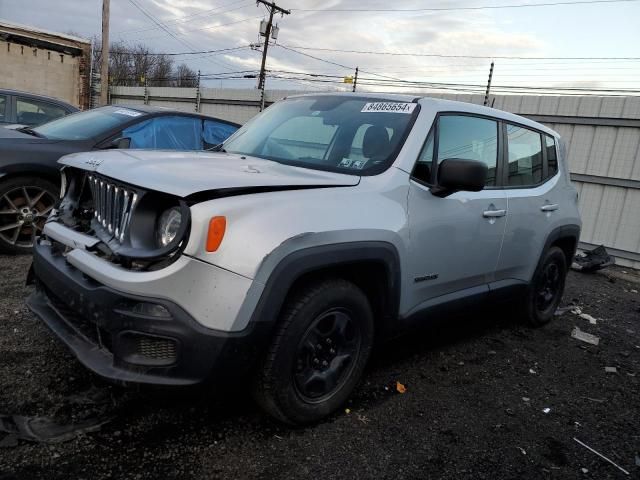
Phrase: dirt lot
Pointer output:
(476, 390)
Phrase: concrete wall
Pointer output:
(602, 135)
(40, 71)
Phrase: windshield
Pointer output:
(346, 134)
(88, 124)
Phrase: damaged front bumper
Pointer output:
(134, 339)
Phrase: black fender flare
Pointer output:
(310, 259)
(571, 231)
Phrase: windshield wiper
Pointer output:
(30, 131)
(217, 148)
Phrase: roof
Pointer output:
(45, 39)
(30, 29)
(9, 91)
(441, 105)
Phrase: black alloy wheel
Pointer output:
(546, 289)
(325, 355)
(318, 352)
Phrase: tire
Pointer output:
(546, 289)
(300, 380)
(25, 203)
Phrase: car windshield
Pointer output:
(337, 133)
(88, 124)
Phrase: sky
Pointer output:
(583, 30)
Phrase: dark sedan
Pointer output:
(29, 175)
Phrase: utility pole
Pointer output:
(104, 69)
(273, 8)
(486, 95)
(355, 80)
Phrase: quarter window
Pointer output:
(525, 156)
(552, 156)
(422, 170)
(3, 108)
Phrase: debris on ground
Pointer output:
(611, 369)
(586, 316)
(585, 337)
(546, 410)
(601, 456)
(592, 260)
(44, 430)
(401, 388)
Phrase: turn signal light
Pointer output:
(217, 227)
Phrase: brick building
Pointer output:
(46, 63)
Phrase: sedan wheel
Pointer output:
(23, 212)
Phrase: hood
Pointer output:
(186, 173)
(12, 135)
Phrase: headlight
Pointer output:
(168, 226)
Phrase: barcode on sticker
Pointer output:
(388, 107)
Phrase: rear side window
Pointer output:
(525, 156)
(32, 112)
(552, 156)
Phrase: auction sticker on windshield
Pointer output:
(130, 113)
(388, 107)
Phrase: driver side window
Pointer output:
(460, 136)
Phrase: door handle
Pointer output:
(549, 208)
(494, 213)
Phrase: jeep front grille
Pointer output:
(113, 205)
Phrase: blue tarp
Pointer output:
(177, 133)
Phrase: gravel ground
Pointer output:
(473, 408)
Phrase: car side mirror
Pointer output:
(122, 142)
(458, 174)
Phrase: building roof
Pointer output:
(38, 37)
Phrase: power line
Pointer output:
(184, 18)
(170, 33)
(170, 54)
(401, 54)
(447, 9)
(211, 27)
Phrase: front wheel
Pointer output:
(318, 354)
(546, 289)
(25, 204)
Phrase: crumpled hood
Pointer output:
(186, 173)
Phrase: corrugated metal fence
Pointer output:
(602, 135)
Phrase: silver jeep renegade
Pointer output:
(325, 224)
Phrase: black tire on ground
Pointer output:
(25, 203)
(546, 289)
(289, 384)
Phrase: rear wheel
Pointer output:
(318, 354)
(546, 289)
(25, 204)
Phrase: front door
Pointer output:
(455, 241)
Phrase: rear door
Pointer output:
(455, 241)
(534, 197)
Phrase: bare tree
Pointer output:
(185, 76)
(162, 71)
(135, 65)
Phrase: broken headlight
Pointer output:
(168, 226)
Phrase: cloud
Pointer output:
(217, 24)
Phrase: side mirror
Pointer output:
(122, 142)
(458, 174)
